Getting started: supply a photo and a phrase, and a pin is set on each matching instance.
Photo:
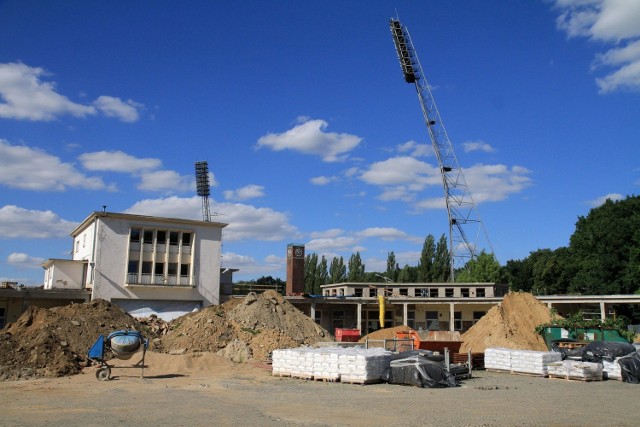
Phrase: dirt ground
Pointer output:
(207, 389)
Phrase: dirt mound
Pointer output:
(509, 325)
(385, 334)
(54, 342)
(261, 322)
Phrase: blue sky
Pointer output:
(311, 134)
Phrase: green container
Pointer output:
(553, 334)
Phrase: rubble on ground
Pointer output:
(54, 342)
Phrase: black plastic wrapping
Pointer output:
(420, 372)
(597, 351)
(630, 368)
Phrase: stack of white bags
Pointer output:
(576, 370)
(357, 365)
(612, 370)
(523, 361)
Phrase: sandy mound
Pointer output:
(384, 334)
(54, 342)
(259, 323)
(509, 325)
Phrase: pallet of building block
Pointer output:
(611, 370)
(575, 370)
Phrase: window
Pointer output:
(432, 320)
(464, 292)
(172, 269)
(133, 267)
(357, 292)
(480, 292)
(161, 237)
(135, 235)
(173, 238)
(422, 292)
(146, 267)
(159, 270)
(404, 291)
(77, 245)
(411, 319)
(186, 239)
(147, 236)
(457, 320)
(448, 292)
(433, 292)
(184, 269)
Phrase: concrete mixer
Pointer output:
(121, 345)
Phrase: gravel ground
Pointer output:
(218, 393)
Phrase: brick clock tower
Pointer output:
(295, 269)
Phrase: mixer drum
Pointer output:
(124, 346)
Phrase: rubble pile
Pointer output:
(54, 342)
(250, 328)
(509, 325)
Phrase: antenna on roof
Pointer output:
(203, 189)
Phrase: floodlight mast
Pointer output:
(203, 189)
(461, 209)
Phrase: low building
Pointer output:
(144, 264)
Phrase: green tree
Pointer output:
(427, 259)
(393, 269)
(482, 268)
(337, 270)
(408, 274)
(321, 276)
(310, 267)
(605, 248)
(442, 262)
(356, 268)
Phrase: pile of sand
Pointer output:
(509, 325)
(240, 330)
(54, 342)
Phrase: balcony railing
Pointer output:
(158, 280)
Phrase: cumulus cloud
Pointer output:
(28, 168)
(615, 22)
(309, 137)
(165, 181)
(25, 96)
(245, 193)
(22, 260)
(116, 161)
(17, 222)
(388, 234)
(245, 221)
(323, 180)
(414, 149)
(470, 146)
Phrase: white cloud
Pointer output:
(477, 146)
(16, 222)
(245, 221)
(387, 234)
(333, 232)
(117, 161)
(165, 181)
(309, 137)
(250, 266)
(245, 193)
(415, 149)
(33, 169)
(323, 180)
(22, 260)
(402, 171)
(26, 97)
(495, 182)
(115, 107)
(323, 245)
(611, 196)
(609, 21)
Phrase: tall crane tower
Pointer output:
(465, 226)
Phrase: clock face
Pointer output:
(298, 252)
(289, 252)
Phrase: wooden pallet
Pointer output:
(360, 382)
(525, 374)
(573, 378)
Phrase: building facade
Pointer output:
(144, 264)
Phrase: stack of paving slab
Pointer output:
(575, 370)
(355, 365)
(612, 370)
(520, 361)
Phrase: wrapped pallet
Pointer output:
(520, 361)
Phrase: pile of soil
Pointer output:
(54, 342)
(509, 325)
(385, 333)
(247, 329)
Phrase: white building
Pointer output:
(146, 265)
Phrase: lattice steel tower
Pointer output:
(203, 188)
(465, 226)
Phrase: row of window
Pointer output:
(160, 237)
(158, 268)
(419, 292)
